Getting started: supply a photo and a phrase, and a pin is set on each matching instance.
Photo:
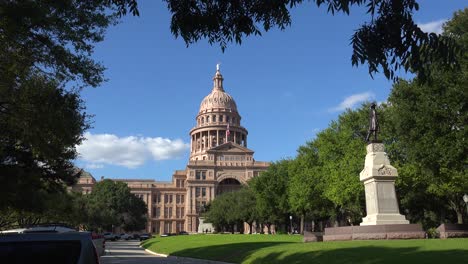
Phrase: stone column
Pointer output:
(217, 137)
(161, 227)
(379, 178)
(149, 199)
(191, 144)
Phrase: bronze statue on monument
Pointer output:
(373, 124)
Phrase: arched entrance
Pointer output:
(228, 185)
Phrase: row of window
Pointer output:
(234, 157)
(200, 175)
(203, 120)
(200, 206)
(180, 183)
(168, 227)
(168, 198)
(200, 192)
(180, 212)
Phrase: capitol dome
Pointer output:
(218, 98)
(218, 122)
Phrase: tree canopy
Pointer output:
(111, 204)
(389, 40)
(58, 36)
(39, 131)
(45, 57)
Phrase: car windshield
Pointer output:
(40, 252)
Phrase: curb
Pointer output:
(156, 254)
(181, 258)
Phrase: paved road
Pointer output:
(129, 252)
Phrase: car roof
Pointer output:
(17, 230)
(40, 228)
(11, 237)
(87, 252)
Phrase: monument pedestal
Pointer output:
(205, 227)
(383, 220)
(379, 178)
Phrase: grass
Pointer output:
(259, 249)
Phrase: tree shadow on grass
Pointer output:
(233, 252)
(366, 255)
(241, 253)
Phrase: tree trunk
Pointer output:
(458, 210)
(302, 225)
(459, 217)
(250, 227)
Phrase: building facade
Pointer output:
(219, 162)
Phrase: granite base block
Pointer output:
(312, 236)
(376, 232)
(452, 230)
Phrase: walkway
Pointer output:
(129, 252)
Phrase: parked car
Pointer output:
(111, 236)
(125, 236)
(168, 234)
(145, 236)
(135, 236)
(98, 240)
(183, 233)
(48, 247)
(39, 229)
(99, 243)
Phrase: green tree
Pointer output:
(45, 46)
(430, 121)
(111, 204)
(55, 37)
(40, 128)
(233, 209)
(247, 206)
(306, 186)
(225, 212)
(341, 151)
(271, 194)
(55, 207)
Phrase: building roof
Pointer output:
(218, 98)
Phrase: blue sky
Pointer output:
(288, 85)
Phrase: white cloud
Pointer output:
(94, 166)
(433, 26)
(130, 152)
(353, 100)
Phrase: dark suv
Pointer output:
(64, 248)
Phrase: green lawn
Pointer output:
(290, 249)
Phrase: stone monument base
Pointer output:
(204, 227)
(312, 236)
(374, 232)
(452, 230)
(384, 219)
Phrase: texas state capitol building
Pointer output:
(219, 162)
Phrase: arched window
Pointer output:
(227, 119)
(202, 120)
(221, 118)
(214, 118)
(208, 119)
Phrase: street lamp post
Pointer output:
(290, 219)
(465, 199)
